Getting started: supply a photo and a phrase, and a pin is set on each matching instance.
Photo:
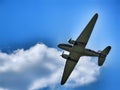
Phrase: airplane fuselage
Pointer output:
(81, 51)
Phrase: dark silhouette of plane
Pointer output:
(77, 49)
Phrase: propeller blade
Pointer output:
(62, 53)
(69, 39)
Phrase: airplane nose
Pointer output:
(59, 45)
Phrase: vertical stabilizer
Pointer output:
(103, 55)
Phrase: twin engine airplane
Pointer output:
(77, 49)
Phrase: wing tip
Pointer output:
(96, 15)
(62, 83)
(109, 47)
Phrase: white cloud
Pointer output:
(40, 67)
(3, 88)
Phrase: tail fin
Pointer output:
(103, 54)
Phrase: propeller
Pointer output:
(62, 53)
(69, 39)
(99, 51)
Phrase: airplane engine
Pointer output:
(99, 51)
(65, 56)
(71, 41)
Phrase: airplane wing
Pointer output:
(69, 66)
(85, 35)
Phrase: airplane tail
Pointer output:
(103, 54)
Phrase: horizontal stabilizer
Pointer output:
(103, 55)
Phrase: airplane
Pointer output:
(77, 49)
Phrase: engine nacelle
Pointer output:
(71, 41)
(65, 56)
(75, 42)
(99, 51)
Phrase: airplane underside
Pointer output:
(82, 52)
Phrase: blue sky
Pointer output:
(24, 23)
